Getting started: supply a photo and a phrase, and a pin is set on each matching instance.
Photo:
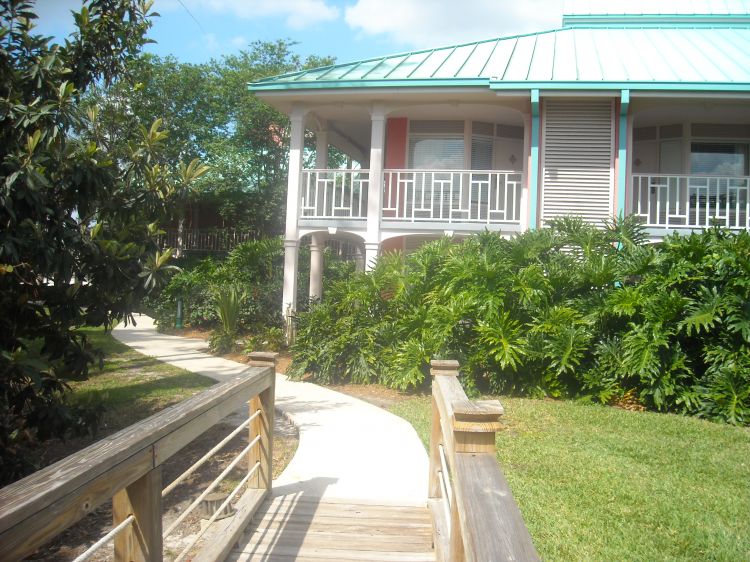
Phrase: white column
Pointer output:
(318, 242)
(372, 249)
(291, 238)
(321, 150)
(289, 295)
(316, 266)
(375, 191)
(359, 259)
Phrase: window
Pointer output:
(436, 153)
(481, 153)
(447, 145)
(719, 159)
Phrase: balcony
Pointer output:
(469, 199)
(691, 202)
(330, 196)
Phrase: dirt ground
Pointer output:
(376, 394)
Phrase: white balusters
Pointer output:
(683, 201)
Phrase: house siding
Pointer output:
(578, 159)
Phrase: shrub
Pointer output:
(570, 310)
(267, 339)
(255, 266)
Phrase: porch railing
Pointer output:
(684, 201)
(334, 194)
(452, 196)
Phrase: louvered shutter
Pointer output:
(578, 159)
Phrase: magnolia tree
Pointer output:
(77, 220)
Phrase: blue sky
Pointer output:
(346, 29)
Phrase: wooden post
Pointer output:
(142, 540)
(263, 424)
(437, 368)
(455, 547)
(474, 426)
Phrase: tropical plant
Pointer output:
(569, 310)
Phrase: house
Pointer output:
(610, 114)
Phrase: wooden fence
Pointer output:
(127, 467)
(475, 517)
(204, 240)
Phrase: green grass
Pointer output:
(132, 386)
(599, 483)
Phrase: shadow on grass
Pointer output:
(103, 341)
(111, 365)
(128, 394)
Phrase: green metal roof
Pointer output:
(694, 52)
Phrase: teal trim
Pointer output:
(622, 153)
(641, 86)
(520, 85)
(534, 168)
(498, 85)
(338, 84)
(667, 21)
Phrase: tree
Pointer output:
(210, 114)
(78, 212)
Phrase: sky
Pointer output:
(197, 30)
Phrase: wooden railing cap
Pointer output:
(262, 359)
(477, 416)
(445, 367)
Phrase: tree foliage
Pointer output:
(210, 114)
(569, 310)
(78, 212)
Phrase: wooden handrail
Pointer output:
(483, 523)
(126, 467)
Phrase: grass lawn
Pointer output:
(134, 386)
(599, 483)
(131, 387)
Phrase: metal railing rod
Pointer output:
(446, 472)
(446, 500)
(200, 462)
(216, 513)
(211, 487)
(90, 551)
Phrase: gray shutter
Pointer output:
(578, 159)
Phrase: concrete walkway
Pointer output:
(347, 448)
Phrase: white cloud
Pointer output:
(432, 23)
(210, 43)
(239, 41)
(298, 13)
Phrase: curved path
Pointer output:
(347, 448)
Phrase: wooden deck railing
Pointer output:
(127, 467)
(475, 517)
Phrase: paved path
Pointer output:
(347, 448)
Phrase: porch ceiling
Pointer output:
(352, 120)
(648, 112)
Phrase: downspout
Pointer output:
(622, 153)
(534, 168)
